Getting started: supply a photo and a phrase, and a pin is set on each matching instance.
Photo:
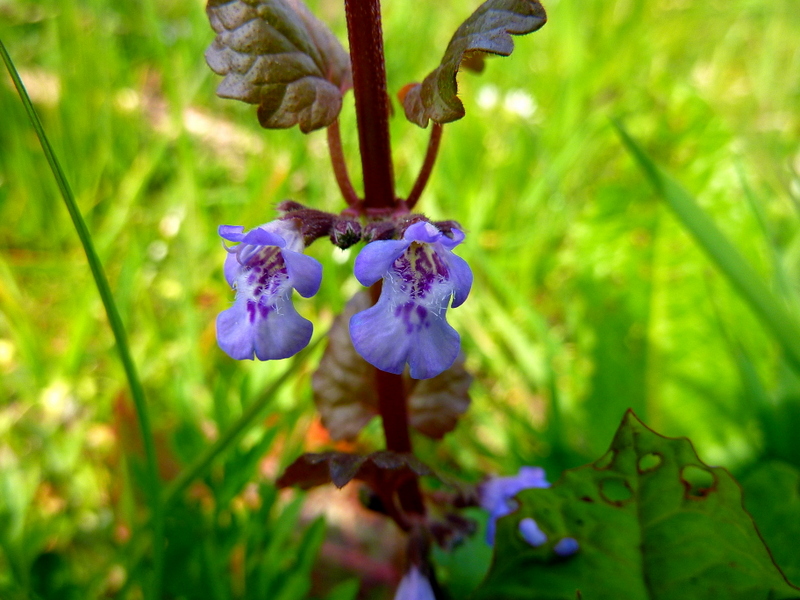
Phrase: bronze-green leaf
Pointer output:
(276, 54)
(344, 387)
(652, 522)
(487, 30)
(382, 468)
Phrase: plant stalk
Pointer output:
(340, 165)
(427, 166)
(393, 406)
(372, 101)
(372, 115)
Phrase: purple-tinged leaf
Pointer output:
(381, 470)
(276, 54)
(487, 31)
(436, 404)
(344, 387)
(343, 384)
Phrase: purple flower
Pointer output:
(566, 547)
(497, 493)
(530, 532)
(414, 586)
(263, 269)
(407, 325)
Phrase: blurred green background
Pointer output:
(589, 296)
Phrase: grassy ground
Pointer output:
(589, 296)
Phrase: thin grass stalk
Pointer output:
(235, 431)
(115, 321)
(773, 314)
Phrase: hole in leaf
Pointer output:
(649, 462)
(604, 461)
(615, 491)
(698, 482)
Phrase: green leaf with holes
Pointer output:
(772, 496)
(652, 522)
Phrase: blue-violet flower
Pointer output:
(497, 494)
(566, 547)
(414, 586)
(530, 532)
(263, 269)
(407, 325)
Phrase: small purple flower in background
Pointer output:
(566, 547)
(414, 586)
(263, 269)
(497, 493)
(407, 325)
(530, 532)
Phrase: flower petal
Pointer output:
(232, 233)
(271, 333)
(497, 493)
(283, 333)
(422, 231)
(388, 336)
(261, 237)
(379, 337)
(414, 586)
(375, 259)
(434, 349)
(530, 532)
(460, 276)
(305, 273)
(232, 268)
(566, 547)
(234, 331)
(450, 243)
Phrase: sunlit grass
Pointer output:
(590, 297)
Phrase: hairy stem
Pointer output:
(340, 165)
(427, 165)
(372, 101)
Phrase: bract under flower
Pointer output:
(497, 494)
(263, 269)
(407, 325)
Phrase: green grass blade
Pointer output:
(235, 431)
(778, 321)
(114, 319)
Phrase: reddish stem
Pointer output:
(340, 165)
(393, 406)
(372, 101)
(427, 166)
(372, 115)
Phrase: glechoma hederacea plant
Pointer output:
(551, 541)
(277, 55)
(648, 520)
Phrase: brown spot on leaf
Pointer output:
(616, 491)
(698, 482)
(649, 462)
